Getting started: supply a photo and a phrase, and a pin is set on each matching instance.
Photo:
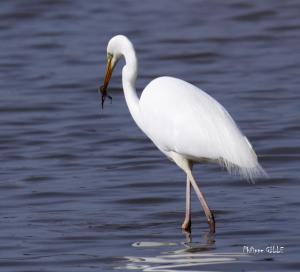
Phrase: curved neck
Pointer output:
(129, 75)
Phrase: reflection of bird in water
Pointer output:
(174, 258)
(185, 123)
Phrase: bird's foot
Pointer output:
(188, 236)
(186, 225)
(209, 238)
(211, 222)
(186, 230)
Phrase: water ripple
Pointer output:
(79, 184)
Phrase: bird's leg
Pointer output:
(186, 226)
(186, 166)
(208, 213)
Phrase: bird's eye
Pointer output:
(109, 56)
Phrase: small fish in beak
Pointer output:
(103, 92)
(103, 89)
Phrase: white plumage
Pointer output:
(184, 122)
(179, 117)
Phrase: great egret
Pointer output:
(184, 122)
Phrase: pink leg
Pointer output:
(187, 220)
(208, 213)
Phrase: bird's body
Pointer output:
(184, 122)
(194, 125)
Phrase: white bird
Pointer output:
(184, 122)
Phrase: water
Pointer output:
(84, 190)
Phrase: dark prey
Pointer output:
(103, 92)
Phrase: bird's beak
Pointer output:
(108, 73)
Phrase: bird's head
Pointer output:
(113, 55)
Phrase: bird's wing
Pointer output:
(180, 117)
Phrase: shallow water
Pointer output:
(84, 190)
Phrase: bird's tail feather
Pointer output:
(238, 155)
(249, 173)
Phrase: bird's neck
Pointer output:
(129, 75)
